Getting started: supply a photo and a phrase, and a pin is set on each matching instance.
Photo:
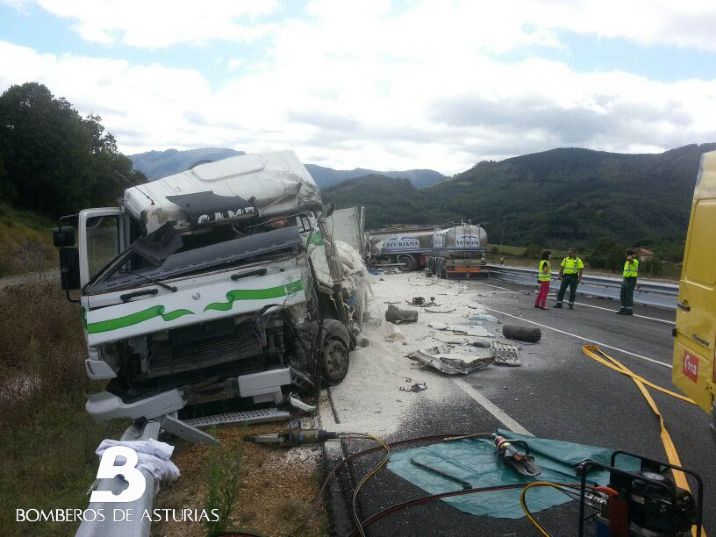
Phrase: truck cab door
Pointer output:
(103, 234)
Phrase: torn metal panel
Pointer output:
(275, 184)
(465, 329)
(206, 207)
(443, 359)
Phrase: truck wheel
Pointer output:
(409, 263)
(334, 361)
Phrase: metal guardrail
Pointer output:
(648, 292)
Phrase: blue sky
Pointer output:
(377, 84)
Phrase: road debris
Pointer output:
(439, 311)
(482, 317)
(522, 333)
(482, 342)
(415, 387)
(394, 334)
(420, 301)
(464, 329)
(505, 354)
(396, 315)
(445, 359)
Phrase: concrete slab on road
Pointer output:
(556, 393)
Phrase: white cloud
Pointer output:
(494, 26)
(162, 23)
(361, 84)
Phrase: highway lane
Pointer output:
(557, 393)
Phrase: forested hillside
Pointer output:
(557, 197)
(54, 161)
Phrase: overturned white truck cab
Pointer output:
(220, 282)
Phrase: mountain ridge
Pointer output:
(157, 164)
(557, 197)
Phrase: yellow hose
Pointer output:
(595, 353)
(523, 503)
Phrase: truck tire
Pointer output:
(334, 360)
(409, 263)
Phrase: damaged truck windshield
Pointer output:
(153, 259)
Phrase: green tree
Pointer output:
(607, 254)
(55, 161)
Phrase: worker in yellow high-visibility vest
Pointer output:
(631, 271)
(570, 272)
(544, 275)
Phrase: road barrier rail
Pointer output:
(649, 292)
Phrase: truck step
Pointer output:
(245, 416)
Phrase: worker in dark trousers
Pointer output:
(631, 271)
(570, 272)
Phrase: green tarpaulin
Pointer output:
(475, 461)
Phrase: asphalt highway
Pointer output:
(557, 393)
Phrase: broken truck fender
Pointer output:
(335, 328)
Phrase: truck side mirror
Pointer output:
(63, 236)
(70, 268)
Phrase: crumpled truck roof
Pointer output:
(265, 184)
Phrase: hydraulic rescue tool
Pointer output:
(508, 454)
(298, 432)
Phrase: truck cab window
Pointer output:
(102, 242)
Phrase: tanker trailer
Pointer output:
(405, 247)
(459, 253)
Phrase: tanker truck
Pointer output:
(449, 252)
(218, 283)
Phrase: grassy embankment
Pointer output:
(47, 458)
(25, 242)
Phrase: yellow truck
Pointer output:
(695, 333)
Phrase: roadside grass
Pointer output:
(25, 242)
(272, 489)
(223, 481)
(47, 458)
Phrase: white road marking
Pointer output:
(610, 309)
(583, 338)
(493, 409)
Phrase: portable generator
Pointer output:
(642, 503)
